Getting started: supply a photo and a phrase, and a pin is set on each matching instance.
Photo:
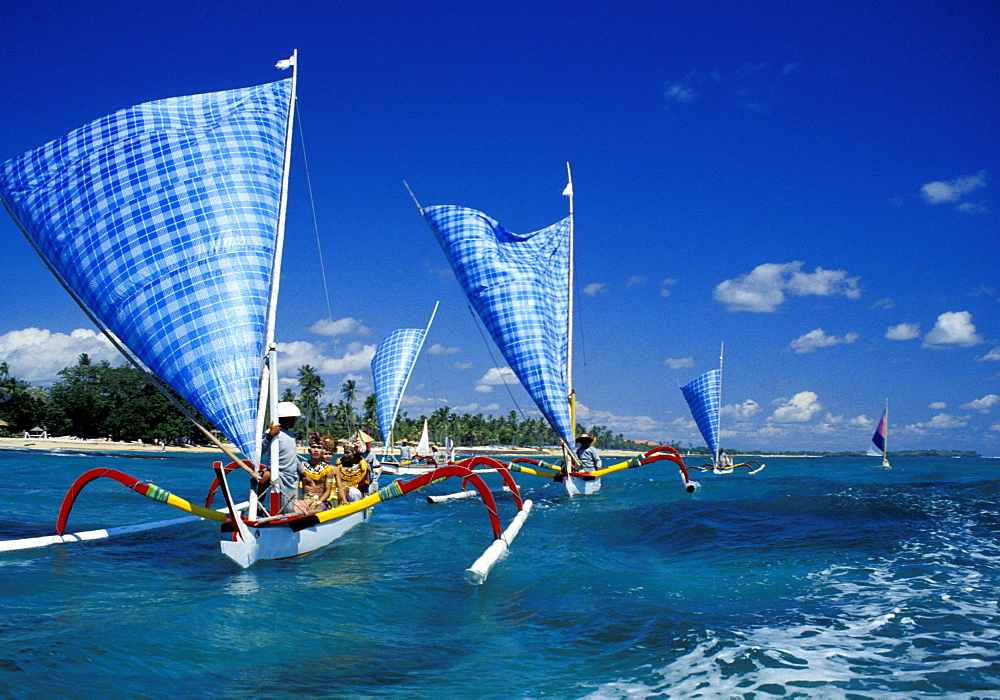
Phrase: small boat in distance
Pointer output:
(881, 435)
(392, 365)
(704, 398)
(521, 287)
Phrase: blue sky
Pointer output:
(811, 183)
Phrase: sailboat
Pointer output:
(704, 398)
(392, 365)
(521, 286)
(881, 435)
(423, 449)
(165, 222)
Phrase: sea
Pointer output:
(815, 578)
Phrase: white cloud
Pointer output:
(740, 410)
(680, 93)
(953, 328)
(679, 362)
(972, 208)
(818, 338)
(938, 405)
(37, 355)
(356, 358)
(982, 405)
(763, 289)
(627, 425)
(798, 409)
(665, 286)
(439, 349)
(594, 288)
(884, 303)
(992, 356)
(839, 425)
(939, 192)
(824, 283)
(495, 377)
(345, 326)
(635, 280)
(461, 366)
(903, 331)
(941, 421)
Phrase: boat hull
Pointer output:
(252, 544)
(575, 486)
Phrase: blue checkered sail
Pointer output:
(519, 286)
(704, 396)
(161, 220)
(391, 366)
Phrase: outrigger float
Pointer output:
(165, 222)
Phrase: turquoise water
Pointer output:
(813, 578)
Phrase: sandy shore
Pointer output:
(91, 445)
(105, 446)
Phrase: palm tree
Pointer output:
(312, 388)
(349, 390)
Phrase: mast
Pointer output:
(569, 322)
(271, 370)
(718, 423)
(885, 438)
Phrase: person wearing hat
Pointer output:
(289, 467)
(590, 460)
(368, 454)
(353, 474)
(405, 452)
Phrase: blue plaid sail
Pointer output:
(704, 396)
(519, 286)
(161, 220)
(391, 366)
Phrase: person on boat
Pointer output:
(354, 474)
(590, 460)
(289, 466)
(368, 455)
(405, 452)
(317, 486)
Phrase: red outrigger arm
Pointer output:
(394, 490)
(142, 487)
(549, 471)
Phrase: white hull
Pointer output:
(282, 542)
(576, 486)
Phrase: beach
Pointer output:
(99, 445)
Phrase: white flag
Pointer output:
(286, 63)
(569, 189)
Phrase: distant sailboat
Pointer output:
(704, 398)
(521, 286)
(880, 438)
(392, 365)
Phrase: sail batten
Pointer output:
(519, 287)
(160, 219)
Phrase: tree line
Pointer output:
(96, 400)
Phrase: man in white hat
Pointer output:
(289, 466)
(368, 454)
(590, 460)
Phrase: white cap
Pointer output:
(286, 409)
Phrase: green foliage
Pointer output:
(93, 401)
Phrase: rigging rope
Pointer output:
(489, 349)
(312, 204)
